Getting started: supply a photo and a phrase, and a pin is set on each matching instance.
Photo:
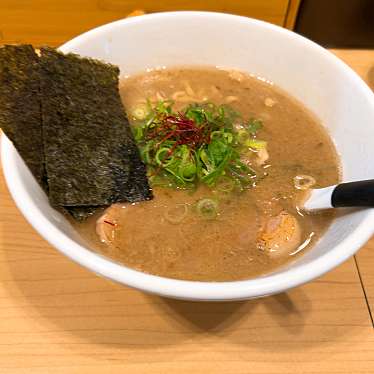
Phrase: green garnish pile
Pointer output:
(199, 144)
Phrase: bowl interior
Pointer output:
(312, 75)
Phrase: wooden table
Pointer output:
(56, 317)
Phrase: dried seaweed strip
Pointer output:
(137, 189)
(20, 116)
(91, 156)
(81, 213)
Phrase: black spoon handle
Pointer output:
(353, 194)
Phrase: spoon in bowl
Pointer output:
(343, 195)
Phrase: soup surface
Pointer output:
(236, 234)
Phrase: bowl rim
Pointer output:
(175, 288)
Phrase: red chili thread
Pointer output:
(110, 223)
(180, 129)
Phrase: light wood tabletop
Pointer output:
(56, 317)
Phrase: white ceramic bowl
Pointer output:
(307, 71)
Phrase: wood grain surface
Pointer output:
(56, 317)
(362, 61)
(54, 22)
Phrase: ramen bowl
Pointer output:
(319, 80)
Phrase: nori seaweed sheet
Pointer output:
(20, 116)
(91, 155)
(80, 213)
(65, 117)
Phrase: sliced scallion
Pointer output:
(207, 208)
(163, 157)
(140, 112)
(199, 144)
(225, 184)
(176, 214)
(256, 144)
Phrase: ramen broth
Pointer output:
(167, 236)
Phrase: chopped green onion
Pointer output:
(304, 182)
(187, 166)
(145, 153)
(188, 172)
(164, 106)
(225, 184)
(227, 136)
(141, 112)
(207, 208)
(256, 144)
(176, 214)
(163, 157)
(254, 125)
(242, 135)
(196, 114)
(199, 144)
(137, 132)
